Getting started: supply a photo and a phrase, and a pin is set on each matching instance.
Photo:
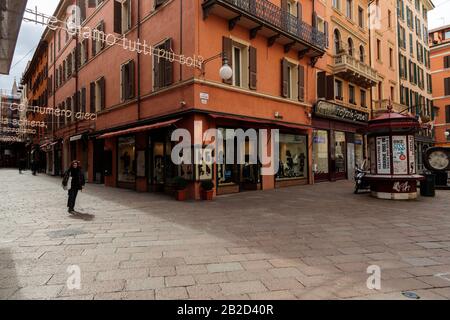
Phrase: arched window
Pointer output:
(350, 47)
(337, 41)
(361, 53)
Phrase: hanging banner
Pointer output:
(383, 155)
(400, 158)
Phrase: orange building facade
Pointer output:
(34, 80)
(138, 100)
(311, 69)
(440, 70)
(344, 80)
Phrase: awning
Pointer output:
(262, 121)
(139, 129)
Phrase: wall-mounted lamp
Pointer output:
(225, 72)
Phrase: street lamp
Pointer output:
(225, 72)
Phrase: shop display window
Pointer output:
(293, 157)
(227, 174)
(320, 152)
(340, 151)
(359, 150)
(158, 163)
(127, 159)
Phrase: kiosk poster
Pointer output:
(399, 153)
(412, 154)
(373, 151)
(383, 155)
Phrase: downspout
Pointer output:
(370, 58)
(54, 83)
(77, 67)
(181, 38)
(139, 62)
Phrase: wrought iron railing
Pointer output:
(275, 16)
(344, 59)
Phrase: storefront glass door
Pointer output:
(340, 155)
(320, 155)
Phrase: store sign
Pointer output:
(334, 111)
(383, 155)
(399, 148)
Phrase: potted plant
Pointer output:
(207, 190)
(180, 185)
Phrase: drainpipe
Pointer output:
(181, 38)
(77, 67)
(139, 62)
(370, 57)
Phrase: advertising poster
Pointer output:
(373, 156)
(399, 153)
(412, 155)
(383, 152)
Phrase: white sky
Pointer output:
(30, 35)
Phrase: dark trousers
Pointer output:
(72, 198)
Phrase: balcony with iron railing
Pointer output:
(354, 70)
(265, 18)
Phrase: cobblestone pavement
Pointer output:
(309, 242)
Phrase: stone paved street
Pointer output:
(309, 242)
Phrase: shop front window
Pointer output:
(320, 152)
(227, 174)
(340, 151)
(158, 163)
(127, 160)
(250, 171)
(293, 157)
(359, 150)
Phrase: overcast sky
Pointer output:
(30, 35)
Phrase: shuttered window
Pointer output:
(227, 45)
(128, 80)
(97, 95)
(83, 100)
(92, 97)
(301, 83)
(285, 78)
(447, 114)
(447, 62)
(98, 38)
(447, 86)
(162, 67)
(253, 68)
(122, 16)
(321, 85)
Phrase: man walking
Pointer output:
(74, 180)
(22, 164)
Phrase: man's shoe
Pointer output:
(72, 211)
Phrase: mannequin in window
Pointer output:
(126, 162)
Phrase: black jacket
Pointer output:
(77, 175)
